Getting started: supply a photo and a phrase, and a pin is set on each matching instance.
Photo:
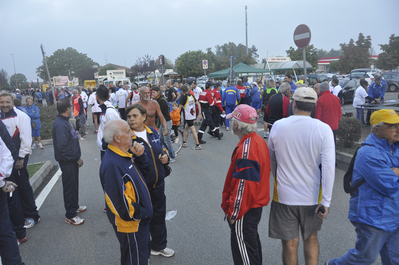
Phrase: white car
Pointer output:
(359, 73)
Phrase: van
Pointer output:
(114, 82)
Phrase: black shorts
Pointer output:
(189, 123)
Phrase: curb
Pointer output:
(47, 142)
(344, 160)
(37, 179)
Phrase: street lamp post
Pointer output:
(15, 72)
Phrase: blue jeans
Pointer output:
(369, 243)
(166, 139)
(229, 109)
(360, 115)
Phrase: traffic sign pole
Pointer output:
(304, 64)
(302, 37)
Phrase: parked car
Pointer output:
(392, 79)
(348, 90)
(318, 77)
(367, 73)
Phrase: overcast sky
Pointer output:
(119, 31)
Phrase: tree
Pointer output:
(144, 65)
(21, 79)
(389, 58)
(62, 62)
(104, 69)
(333, 67)
(297, 55)
(4, 79)
(355, 55)
(190, 63)
(254, 52)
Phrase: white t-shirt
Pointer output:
(121, 96)
(360, 97)
(84, 97)
(298, 145)
(142, 135)
(93, 103)
(197, 90)
(336, 90)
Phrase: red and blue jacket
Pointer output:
(247, 183)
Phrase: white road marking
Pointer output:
(46, 191)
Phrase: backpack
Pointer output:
(348, 176)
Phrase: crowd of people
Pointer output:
(134, 126)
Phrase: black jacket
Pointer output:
(65, 140)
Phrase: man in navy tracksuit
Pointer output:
(23, 210)
(231, 97)
(127, 198)
(67, 153)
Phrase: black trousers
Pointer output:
(206, 121)
(122, 112)
(134, 246)
(158, 225)
(8, 243)
(245, 242)
(26, 196)
(15, 210)
(70, 185)
(215, 117)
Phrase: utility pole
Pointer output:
(48, 73)
(246, 30)
(15, 72)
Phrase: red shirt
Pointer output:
(247, 182)
(205, 97)
(217, 98)
(328, 109)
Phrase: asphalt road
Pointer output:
(198, 233)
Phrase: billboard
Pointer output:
(60, 81)
(116, 74)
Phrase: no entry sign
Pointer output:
(302, 36)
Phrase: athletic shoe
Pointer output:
(23, 240)
(74, 221)
(202, 142)
(220, 136)
(86, 133)
(95, 132)
(172, 160)
(40, 145)
(197, 147)
(184, 144)
(166, 252)
(105, 210)
(81, 209)
(82, 138)
(177, 140)
(265, 135)
(29, 223)
(227, 128)
(33, 146)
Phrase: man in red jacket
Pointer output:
(328, 108)
(246, 189)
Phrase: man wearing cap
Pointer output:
(230, 98)
(374, 206)
(302, 195)
(246, 188)
(328, 108)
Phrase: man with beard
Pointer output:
(152, 108)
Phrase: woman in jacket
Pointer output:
(34, 114)
(136, 115)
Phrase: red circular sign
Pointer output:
(302, 36)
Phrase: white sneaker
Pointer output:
(166, 252)
(74, 221)
(40, 145)
(82, 138)
(265, 135)
(33, 146)
(177, 140)
(197, 147)
(227, 128)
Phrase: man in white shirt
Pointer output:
(95, 109)
(337, 88)
(197, 90)
(302, 194)
(121, 96)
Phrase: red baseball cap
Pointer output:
(244, 113)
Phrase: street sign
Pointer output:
(204, 64)
(302, 36)
(161, 60)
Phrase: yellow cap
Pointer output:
(384, 115)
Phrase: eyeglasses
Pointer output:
(392, 126)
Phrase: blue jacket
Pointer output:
(377, 91)
(34, 114)
(155, 170)
(231, 96)
(65, 140)
(247, 99)
(38, 96)
(376, 202)
(255, 94)
(126, 194)
(293, 86)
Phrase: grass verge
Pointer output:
(32, 169)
